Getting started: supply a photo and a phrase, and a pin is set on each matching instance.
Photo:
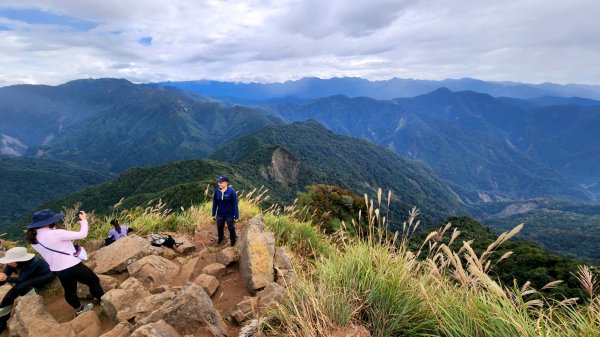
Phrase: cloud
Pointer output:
(153, 40)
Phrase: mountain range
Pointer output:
(312, 87)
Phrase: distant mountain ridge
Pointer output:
(313, 87)
(118, 124)
(468, 138)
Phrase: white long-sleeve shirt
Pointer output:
(61, 240)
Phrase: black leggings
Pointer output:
(24, 287)
(221, 229)
(82, 274)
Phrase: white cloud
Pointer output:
(529, 41)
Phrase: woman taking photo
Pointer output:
(56, 247)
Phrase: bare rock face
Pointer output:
(190, 309)
(227, 256)
(256, 255)
(214, 269)
(108, 283)
(208, 282)
(116, 257)
(31, 319)
(153, 270)
(250, 329)
(122, 329)
(157, 329)
(86, 324)
(119, 303)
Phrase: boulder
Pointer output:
(116, 257)
(256, 255)
(157, 329)
(208, 282)
(108, 283)
(31, 319)
(270, 296)
(227, 256)
(123, 329)
(246, 309)
(282, 259)
(214, 269)
(86, 324)
(148, 304)
(153, 270)
(119, 303)
(93, 245)
(186, 247)
(250, 329)
(190, 308)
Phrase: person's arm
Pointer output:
(234, 197)
(214, 208)
(65, 235)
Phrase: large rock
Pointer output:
(148, 304)
(227, 256)
(191, 308)
(157, 329)
(250, 329)
(283, 267)
(116, 257)
(256, 255)
(270, 296)
(31, 319)
(93, 245)
(122, 329)
(119, 303)
(86, 324)
(186, 247)
(208, 282)
(153, 270)
(214, 269)
(107, 283)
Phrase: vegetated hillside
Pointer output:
(566, 227)
(28, 182)
(118, 124)
(312, 87)
(464, 137)
(307, 153)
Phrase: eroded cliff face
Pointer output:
(284, 168)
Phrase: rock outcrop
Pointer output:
(157, 329)
(153, 270)
(123, 252)
(119, 303)
(256, 255)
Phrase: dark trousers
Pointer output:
(82, 274)
(221, 226)
(23, 288)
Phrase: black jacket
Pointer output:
(28, 269)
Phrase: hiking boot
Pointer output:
(84, 308)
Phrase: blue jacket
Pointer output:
(27, 270)
(225, 204)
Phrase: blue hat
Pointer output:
(43, 218)
(222, 179)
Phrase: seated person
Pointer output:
(33, 272)
(117, 232)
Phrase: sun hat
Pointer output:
(17, 254)
(222, 179)
(43, 218)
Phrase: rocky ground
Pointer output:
(198, 289)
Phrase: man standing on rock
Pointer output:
(225, 209)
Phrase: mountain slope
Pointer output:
(462, 136)
(118, 124)
(349, 162)
(28, 182)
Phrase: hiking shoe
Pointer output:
(84, 308)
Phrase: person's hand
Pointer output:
(82, 215)
(2, 277)
(235, 220)
(214, 218)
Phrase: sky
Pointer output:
(532, 41)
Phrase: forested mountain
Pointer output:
(312, 87)
(306, 153)
(28, 182)
(466, 137)
(117, 124)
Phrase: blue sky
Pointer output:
(54, 41)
